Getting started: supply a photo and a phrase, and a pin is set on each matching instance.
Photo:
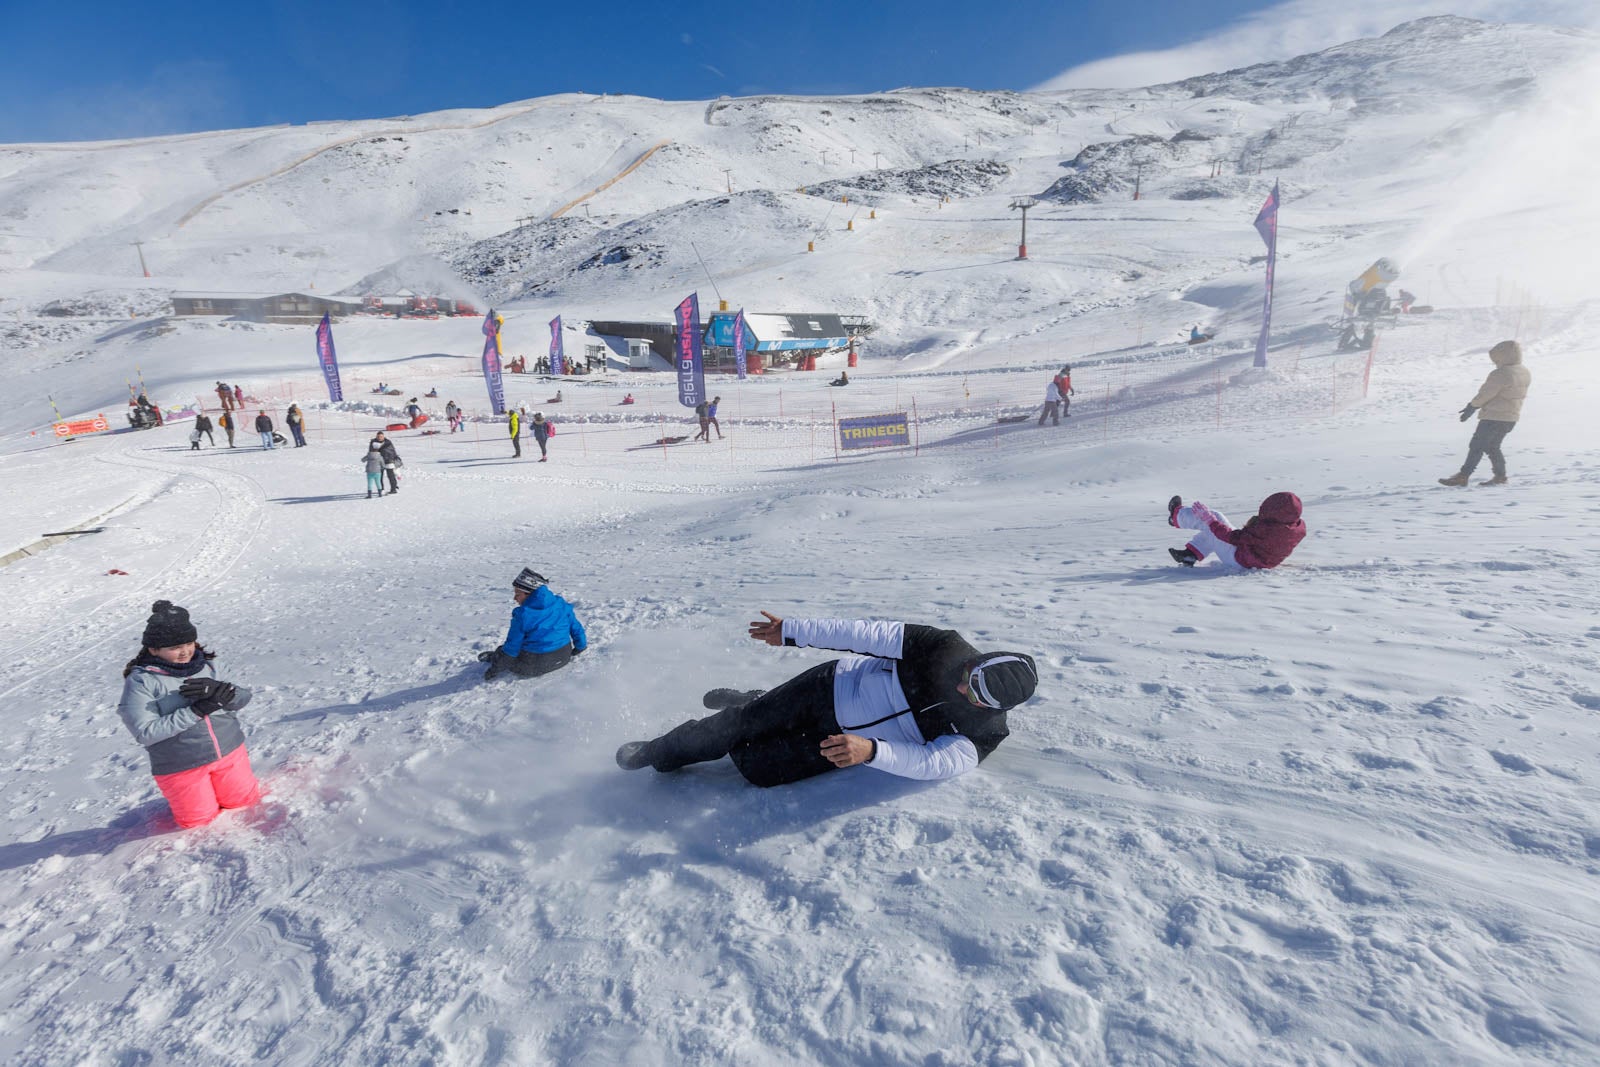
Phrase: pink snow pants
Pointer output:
(1198, 517)
(197, 795)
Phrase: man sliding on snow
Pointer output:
(916, 701)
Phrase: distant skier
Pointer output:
(545, 632)
(264, 428)
(1499, 405)
(915, 701)
(184, 715)
(1263, 542)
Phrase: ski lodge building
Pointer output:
(292, 308)
(770, 339)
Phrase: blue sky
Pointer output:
(82, 71)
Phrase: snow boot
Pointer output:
(1498, 479)
(721, 699)
(1172, 510)
(1184, 556)
(1455, 479)
(369, 494)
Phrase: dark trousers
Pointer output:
(299, 435)
(1052, 411)
(1486, 442)
(230, 435)
(394, 480)
(516, 443)
(773, 740)
(533, 664)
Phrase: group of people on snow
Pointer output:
(541, 428)
(706, 412)
(1058, 396)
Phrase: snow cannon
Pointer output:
(1366, 297)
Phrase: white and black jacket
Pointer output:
(904, 696)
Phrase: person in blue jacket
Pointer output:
(545, 633)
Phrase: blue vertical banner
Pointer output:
(558, 354)
(491, 361)
(738, 342)
(329, 360)
(1267, 227)
(691, 368)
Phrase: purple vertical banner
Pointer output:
(329, 360)
(491, 361)
(738, 342)
(1267, 227)
(558, 354)
(691, 369)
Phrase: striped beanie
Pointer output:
(1002, 680)
(528, 580)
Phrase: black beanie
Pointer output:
(169, 625)
(1002, 680)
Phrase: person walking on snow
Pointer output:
(225, 396)
(453, 415)
(514, 424)
(542, 431)
(914, 701)
(264, 428)
(1499, 405)
(391, 459)
(1064, 386)
(238, 397)
(711, 418)
(705, 422)
(1263, 542)
(1052, 404)
(202, 422)
(194, 439)
(374, 463)
(296, 422)
(225, 420)
(185, 716)
(545, 632)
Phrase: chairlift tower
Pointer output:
(1022, 205)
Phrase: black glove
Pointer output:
(206, 695)
(576, 651)
(488, 657)
(1466, 412)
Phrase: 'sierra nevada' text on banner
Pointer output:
(875, 431)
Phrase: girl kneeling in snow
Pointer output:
(176, 707)
(1263, 542)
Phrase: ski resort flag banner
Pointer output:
(1267, 227)
(491, 361)
(329, 360)
(691, 371)
(738, 342)
(558, 355)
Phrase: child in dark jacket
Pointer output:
(545, 633)
(1263, 542)
(175, 705)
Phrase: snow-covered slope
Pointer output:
(1338, 813)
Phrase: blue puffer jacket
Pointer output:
(160, 719)
(543, 623)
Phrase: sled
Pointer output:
(395, 426)
(418, 421)
(1004, 419)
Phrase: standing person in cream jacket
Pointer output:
(1499, 405)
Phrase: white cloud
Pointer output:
(1301, 26)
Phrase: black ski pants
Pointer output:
(533, 664)
(1052, 411)
(773, 740)
(1486, 441)
(516, 443)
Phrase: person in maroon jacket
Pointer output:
(1263, 542)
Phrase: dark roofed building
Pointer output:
(262, 307)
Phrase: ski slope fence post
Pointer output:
(916, 446)
(1216, 378)
(1105, 417)
(662, 423)
(583, 440)
(835, 408)
(1333, 377)
(1366, 375)
(780, 401)
(994, 433)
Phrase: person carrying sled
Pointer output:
(185, 716)
(1499, 405)
(1262, 543)
(542, 431)
(914, 701)
(545, 632)
(391, 459)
